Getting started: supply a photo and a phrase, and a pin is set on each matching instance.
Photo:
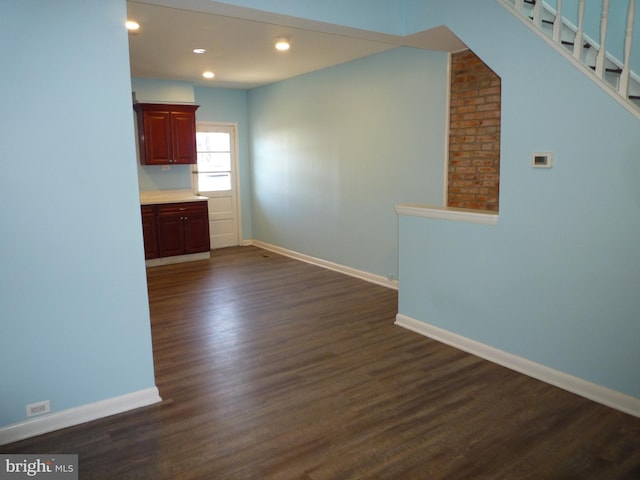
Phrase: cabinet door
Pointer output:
(183, 125)
(196, 229)
(157, 148)
(150, 232)
(170, 232)
(183, 228)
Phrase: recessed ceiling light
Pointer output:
(132, 26)
(282, 44)
(208, 74)
(199, 50)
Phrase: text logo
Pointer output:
(51, 467)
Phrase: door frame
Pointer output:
(235, 165)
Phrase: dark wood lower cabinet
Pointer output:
(150, 232)
(180, 229)
(196, 232)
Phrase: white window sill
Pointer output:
(447, 213)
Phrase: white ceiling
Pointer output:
(240, 45)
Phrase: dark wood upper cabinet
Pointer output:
(166, 133)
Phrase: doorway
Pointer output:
(215, 176)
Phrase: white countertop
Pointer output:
(150, 197)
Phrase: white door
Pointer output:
(215, 177)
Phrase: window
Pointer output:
(213, 170)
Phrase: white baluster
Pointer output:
(577, 45)
(557, 23)
(623, 88)
(519, 5)
(537, 13)
(602, 50)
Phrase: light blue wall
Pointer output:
(74, 313)
(557, 280)
(228, 105)
(333, 152)
(153, 90)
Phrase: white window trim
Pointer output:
(233, 127)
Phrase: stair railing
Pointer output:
(623, 88)
(557, 23)
(579, 41)
(538, 14)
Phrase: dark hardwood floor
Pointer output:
(275, 369)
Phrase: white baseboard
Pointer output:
(362, 275)
(597, 393)
(191, 257)
(75, 416)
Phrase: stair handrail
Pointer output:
(533, 19)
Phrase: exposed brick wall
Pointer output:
(474, 134)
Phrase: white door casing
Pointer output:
(224, 208)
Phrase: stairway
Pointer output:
(612, 74)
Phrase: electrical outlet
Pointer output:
(38, 408)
